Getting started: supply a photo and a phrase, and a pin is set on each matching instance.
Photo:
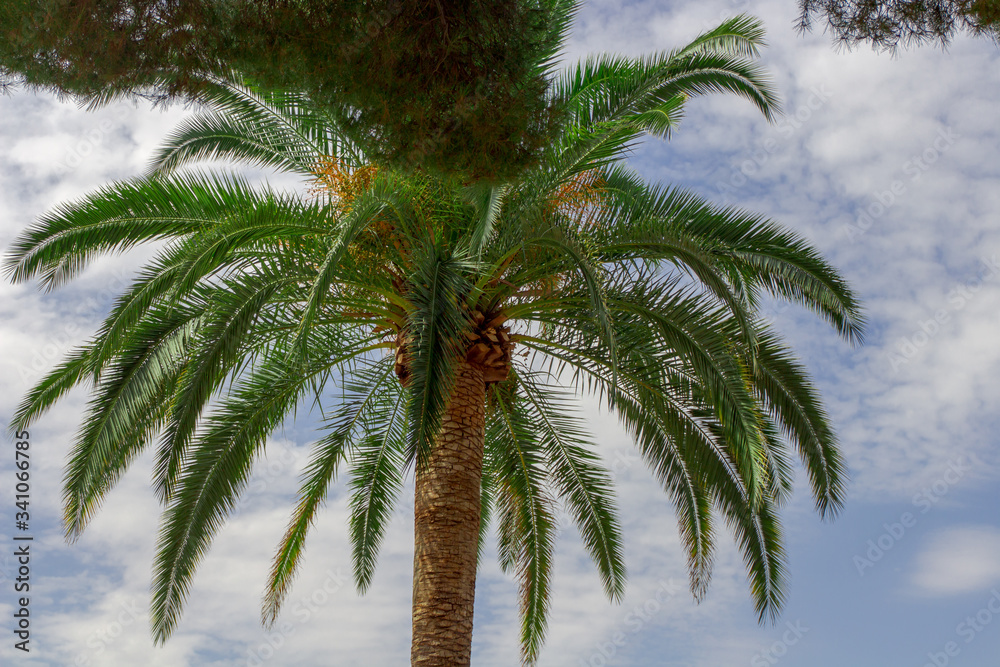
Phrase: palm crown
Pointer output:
(432, 320)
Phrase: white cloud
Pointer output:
(958, 560)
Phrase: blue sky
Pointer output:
(889, 165)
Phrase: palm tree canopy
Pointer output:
(363, 296)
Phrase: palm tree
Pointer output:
(443, 327)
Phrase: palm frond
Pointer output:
(751, 252)
(220, 343)
(526, 528)
(433, 335)
(53, 386)
(128, 408)
(365, 210)
(257, 127)
(114, 219)
(362, 394)
(212, 478)
(378, 469)
(488, 200)
(795, 405)
(583, 483)
(591, 275)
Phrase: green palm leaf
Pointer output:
(526, 528)
(583, 483)
(361, 397)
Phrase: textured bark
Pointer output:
(446, 529)
(487, 344)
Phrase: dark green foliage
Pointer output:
(888, 24)
(450, 86)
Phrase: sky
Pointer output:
(889, 165)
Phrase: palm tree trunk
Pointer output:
(446, 529)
